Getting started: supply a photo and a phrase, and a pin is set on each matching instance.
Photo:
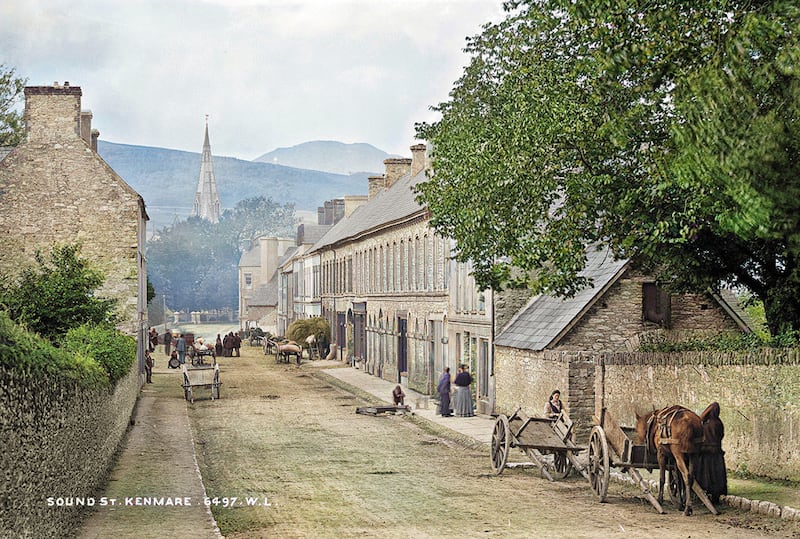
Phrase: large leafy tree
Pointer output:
(194, 263)
(668, 130)
(11, 91)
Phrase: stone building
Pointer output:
(56, 189)
(206, 200)
(259, 275)
(552, 343)
(398, 307)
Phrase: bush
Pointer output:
(58, 294)
(31, 355)
(112, 350)
(726, 342)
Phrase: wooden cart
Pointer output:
(206, 376)
(536, 437)
(612, 446)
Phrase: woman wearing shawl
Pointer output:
(444, 393)
(553, 407)
(710, 469)
(462, 400)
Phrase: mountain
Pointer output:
(329, 156)
(167, 180)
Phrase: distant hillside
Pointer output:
(329, 156)
(167, 180)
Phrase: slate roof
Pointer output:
(313, 233)
(544, 320)
(390, 205)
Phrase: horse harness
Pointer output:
(663, 420)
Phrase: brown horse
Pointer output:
(674, 432)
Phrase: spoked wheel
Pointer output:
(561, 465)
(599, 465)
(501, 443)
(215, 386)
(677, 488)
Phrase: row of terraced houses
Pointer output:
(402, 309)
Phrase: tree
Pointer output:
(667, 130)
(195, 263)
(11, 90)
(58, 294)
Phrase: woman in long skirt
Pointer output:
(462, 399)
(443, 388)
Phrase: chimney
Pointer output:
(328, 212)
(376, 185)
(351, 202)
(269, 256)
(86, 126)
(338, 209)
(95, 136)
(321, 216)
(52, 113)
(419, 161)
(396, 168)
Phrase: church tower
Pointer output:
(206, 201)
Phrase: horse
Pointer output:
(674, 432)
(285, 349)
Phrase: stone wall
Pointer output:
(56, 441)
(615, 320)
(758, 392)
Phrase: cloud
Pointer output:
(270, 73)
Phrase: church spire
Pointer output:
(206, 201)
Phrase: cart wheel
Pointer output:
(561, 465)
(599, 462)
(215, 387)
(677, 488)
(501, 443)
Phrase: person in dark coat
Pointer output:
(443, 388)
(236, 344)
(218, 346)
(710, 471)
(148, 366)
(227, 345)
(153, 338)
(167, 341)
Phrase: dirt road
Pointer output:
(292, 445)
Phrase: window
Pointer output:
(248, 280)
(656, 305)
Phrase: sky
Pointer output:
(268, 73)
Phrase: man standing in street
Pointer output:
(180, 346)
(167, 341)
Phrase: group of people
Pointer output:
(459, 389)
(229, 345)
